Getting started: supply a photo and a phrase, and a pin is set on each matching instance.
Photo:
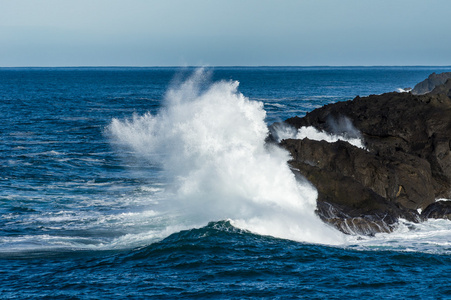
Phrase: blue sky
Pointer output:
(224, 32)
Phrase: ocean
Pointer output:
(135, 183)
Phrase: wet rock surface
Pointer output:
(406, 164)
(438, 210)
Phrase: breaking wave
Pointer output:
(210, 141)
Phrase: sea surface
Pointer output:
(135, 183)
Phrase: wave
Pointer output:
(406, 90)
(431, 236)
(210, 141)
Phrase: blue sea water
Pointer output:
(155, 183)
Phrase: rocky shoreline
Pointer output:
(403, 169)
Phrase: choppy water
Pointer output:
(154, 182)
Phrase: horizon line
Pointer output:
(235, 66)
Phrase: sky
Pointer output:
(224, 33)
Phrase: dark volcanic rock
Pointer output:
(406, 164)
(396, 124)
(438, 210)
(443, 89)
(358, 192)
(430, 83)
(402, 178)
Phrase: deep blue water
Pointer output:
(80, 216)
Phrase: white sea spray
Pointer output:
(210, 141)
(317, 135)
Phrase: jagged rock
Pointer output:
(430, 83)
(395, 124)
(401, 179)
(358, 192)
(438, 210)
(443, 89)
(406, 164)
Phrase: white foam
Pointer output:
(317, 135)
(442, 199)
(210, 140)
(284, 131)
(431, 236)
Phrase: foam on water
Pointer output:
(210, 141)
(431, 236)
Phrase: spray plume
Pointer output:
(210, 141)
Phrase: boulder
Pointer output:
(430, 83)
(438, 210)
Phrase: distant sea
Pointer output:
(134, 183)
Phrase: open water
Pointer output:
(156, 183)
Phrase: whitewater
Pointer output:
(210, 142)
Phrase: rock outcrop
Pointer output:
(406, 164)
(430, 83)
(438, 210)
